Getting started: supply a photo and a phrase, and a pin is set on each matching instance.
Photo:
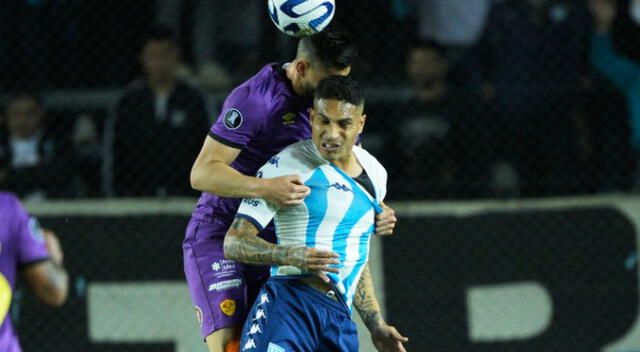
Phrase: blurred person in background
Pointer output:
(437, 133)
(533, 58)
(34, 254)
(621, 71)
(159, 119)
(35, 161)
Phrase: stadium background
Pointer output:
(515, 188)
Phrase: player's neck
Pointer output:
(350, 165)
(296, 84)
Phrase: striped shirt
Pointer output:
(338, 215)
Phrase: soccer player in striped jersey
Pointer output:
(259, 118)
(323, 243)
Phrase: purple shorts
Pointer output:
(222, 291)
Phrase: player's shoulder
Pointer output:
(299, 158)
(8, 199)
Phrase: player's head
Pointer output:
(426, 63)
(337, 117)
(330, 52)
(24, 114)
(159, 54)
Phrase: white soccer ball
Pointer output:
(301, 17)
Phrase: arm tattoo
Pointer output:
(365, 300)
(242, 244)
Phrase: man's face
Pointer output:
(314, 74)
(335, 127)
(24, 117)
(159, 59)
(426, 66)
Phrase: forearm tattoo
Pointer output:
(242, 244)
(365, 300)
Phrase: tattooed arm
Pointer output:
(241, 244)
(385, 337)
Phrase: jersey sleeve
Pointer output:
(258, 211)
(30, 238)
(243, 115)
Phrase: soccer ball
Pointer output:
(301, 17)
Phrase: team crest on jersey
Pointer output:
(199, 315)
(228, 307)
(36, 230)
(288, 119)
(232, 119)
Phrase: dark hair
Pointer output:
(340, 88)
(333, 48)
(158, 32)
(23, 95)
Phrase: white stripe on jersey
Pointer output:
(338, 215)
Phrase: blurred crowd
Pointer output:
(468, 98)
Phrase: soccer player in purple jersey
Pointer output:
(35, 253)
(259, 118)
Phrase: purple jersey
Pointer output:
(21, 243)
(261, 116)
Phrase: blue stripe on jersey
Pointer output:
(360, 205)
(316, 204)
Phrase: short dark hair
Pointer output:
(333, 48)
(340, 88)
(158, 32)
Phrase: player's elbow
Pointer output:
(55, 294)
(229, 247)
(58, 298)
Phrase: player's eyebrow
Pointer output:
(346, 119)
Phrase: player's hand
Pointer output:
(53, 246)
(604, 12)
(314, 261)
(387, 339)
(385, 221)
(284, 190)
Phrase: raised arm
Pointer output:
(212, 173)
(48, 279)
(241, 244)
(385, 337)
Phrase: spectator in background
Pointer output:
(158, 125)
(35, 162)
(436, 135)
(455, 24)
(533, 57)
(622, 72)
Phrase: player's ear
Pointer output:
(302, 66)
(363, 119)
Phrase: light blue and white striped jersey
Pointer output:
(338, 215)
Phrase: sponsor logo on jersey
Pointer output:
(232, 119)
(228, 307)
(199, 315)
(253, 202)
(249, 345)
(275, 161)
(225, 285)
(340, 187)
(288, 119)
